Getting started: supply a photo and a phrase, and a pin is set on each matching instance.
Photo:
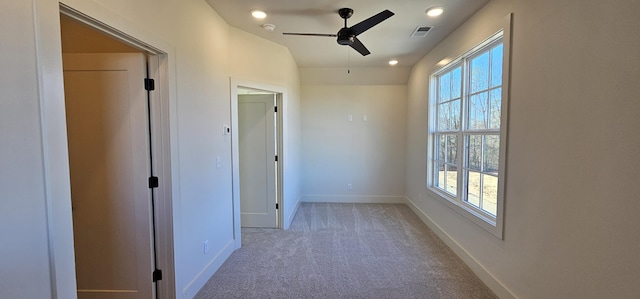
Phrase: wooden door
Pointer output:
(107, 126)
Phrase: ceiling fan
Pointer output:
(347, 36)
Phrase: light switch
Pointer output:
(349, 117)
(218, 162)
(365, 118)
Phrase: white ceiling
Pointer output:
(389, 39)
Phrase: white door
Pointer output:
(107, 126)
(256, 134)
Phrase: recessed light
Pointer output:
(444, 62)
(258, 14)
(393, 62)
(434, 11)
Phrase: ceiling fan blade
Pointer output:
(358, 46)
(310, 34)
(370, 22)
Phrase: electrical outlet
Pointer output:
(349, 187)
(205, 246)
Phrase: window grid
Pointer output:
(473, 183)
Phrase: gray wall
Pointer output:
(367, 154)
(24, 250)
(36, 252)
(573, 160)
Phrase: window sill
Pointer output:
(493, 226)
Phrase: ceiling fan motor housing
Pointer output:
(346, 36)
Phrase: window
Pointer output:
(467, 125)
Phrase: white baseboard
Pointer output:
(354, 199)
(289, 218)
(491, 281)
(192, 288)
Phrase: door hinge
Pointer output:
(157, 275)
(149, 84)
(276, 158)
(153, 182)
(275, 109)
(276, 206)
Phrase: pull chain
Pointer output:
(348, 61)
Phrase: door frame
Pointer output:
(281, 99)
(158, 69)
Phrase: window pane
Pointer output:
(452, 179)
(491, 153)
(496, 66)
(454, 121)
(495, 103)
(445, 87)
(443, 117)
(473, 183)
(441, 147)
(456, 82)
(479, 77)
(439, 176)
(474, 154)
(478, 107)
(452, 149)
(490, 194)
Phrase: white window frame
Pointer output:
(492, 224)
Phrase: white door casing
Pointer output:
(107, 126)
(257, 151)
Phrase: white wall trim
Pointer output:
(57, 192)
(192, 288)
(491, 281)
(354, 198)
(290, 215)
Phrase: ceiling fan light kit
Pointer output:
(347, 36)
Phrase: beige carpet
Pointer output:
(345, 251)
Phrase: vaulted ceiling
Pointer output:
(390, 39)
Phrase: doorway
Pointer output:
(116, 99)
(265, 103)
(109, 163)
